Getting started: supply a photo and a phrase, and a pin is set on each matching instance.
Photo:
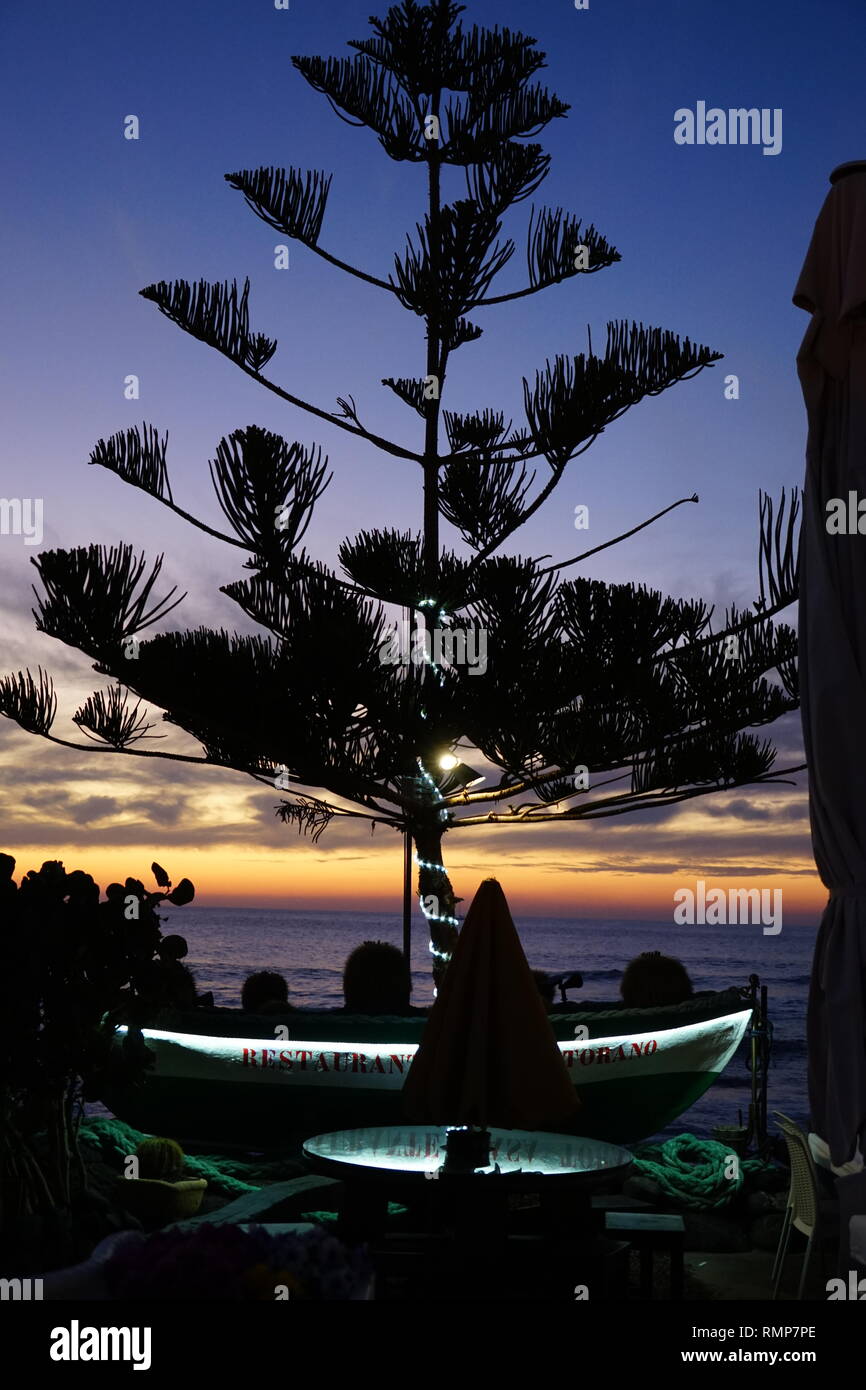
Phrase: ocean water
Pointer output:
(309, 948)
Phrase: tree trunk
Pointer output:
(437, 897)
(434, 886)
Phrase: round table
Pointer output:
(537, 1182)
(410, 1153)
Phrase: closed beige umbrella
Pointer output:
(832, 368)
(488, 1055)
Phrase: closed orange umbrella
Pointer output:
(488, 1055)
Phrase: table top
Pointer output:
(408, 1151)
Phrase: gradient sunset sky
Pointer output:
(712, 239)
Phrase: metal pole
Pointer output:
(407, 900)
(407, 843)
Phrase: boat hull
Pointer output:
(268, 1082)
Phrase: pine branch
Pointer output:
(475, 430)
(468, 261)
(93, 600)
(535, 505)
(30, 703)
(215, 314)
(94, 747)
(310, 815)
(267, 489)
(510, 785)
(778, 554)
(557, 245)
(624, 535)
(628, 804)
(574, 399)
(511, 174)
(477, 128)
(254, 704)
(257, 776)
(109, 718)
(487, 63)
(410, 390)
(138, 458)
(289, 200)
(404, 45)
(293, 203)
(600, 642)
(553, 241)
(425, 50)
(319, 621)
(778, 561)
(386, 445)
(759, 647)
(461, 332)
(141, 461)
(513, 599)
(390, 565)
(704, 760)
(621, 623)
(484, 504)
(789, 674)
(369, 96)
(520, 441)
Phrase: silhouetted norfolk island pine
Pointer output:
(574, 698)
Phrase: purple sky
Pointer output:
(712, 240)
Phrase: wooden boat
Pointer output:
(222, 1074)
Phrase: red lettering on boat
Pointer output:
(636, 1049)
(321, 1064)
(378, 1064)
(359, 1062)
(586, 1056)
(285, 1061)
(303, 1057)
(249, 1056)
(396, 1061)
(568, 1055)
(650, 1047)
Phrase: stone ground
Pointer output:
(746, 1275)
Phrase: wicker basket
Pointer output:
(155, 1203)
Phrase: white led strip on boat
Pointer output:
(695, 1047)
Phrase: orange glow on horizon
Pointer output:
(310, 878)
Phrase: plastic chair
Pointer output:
(805, 1210)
